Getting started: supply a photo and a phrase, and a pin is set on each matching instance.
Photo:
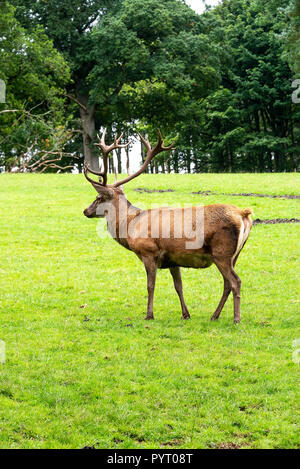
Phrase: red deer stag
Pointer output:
(170, 238)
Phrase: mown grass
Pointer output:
(100, 375)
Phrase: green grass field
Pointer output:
(100, 375)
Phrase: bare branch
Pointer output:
(77, 101)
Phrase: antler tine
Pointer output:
(96, 185)
(151, 153)
(160, 138)
(117, 143)
(87, 169)
(101, 141)
(125, 145)
(159, 147)
(97, 173)
(117, 140)
(161, 143)
(106, 149)
(145, 142)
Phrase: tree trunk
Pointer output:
(127, 161)
(143, 156)
(293, 142)
(110, 165)
(175, 161)
(119, 157)
(87, 114)
(188, 161)
(168, 163)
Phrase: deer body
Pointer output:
(170, 238)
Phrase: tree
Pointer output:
(69, 25)
(262, 133)
(152, 40)
(294, 35)
(35, 75)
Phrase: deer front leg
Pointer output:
(151, 269)
(175, 271)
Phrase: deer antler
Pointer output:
(106, 149)
(151, 153)
(96, 185)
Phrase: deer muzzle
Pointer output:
(88, 213)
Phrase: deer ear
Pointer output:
(120, 189)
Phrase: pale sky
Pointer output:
(198, 5)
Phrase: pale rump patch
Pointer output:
(243, 236)
(247, 229)
(240, 240)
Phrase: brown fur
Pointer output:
(222, 227)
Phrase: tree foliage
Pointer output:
(35, 75)
(294, 35)
(220, 82)
(252, 122)
(152, 40)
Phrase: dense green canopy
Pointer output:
(35, 75)
(220, 82)
(294, 35)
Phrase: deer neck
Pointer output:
(118, 218)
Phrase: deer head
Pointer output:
(107, 193)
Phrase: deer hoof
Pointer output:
(214, 318)
(237, 321)
(149, 318)
(185, 317)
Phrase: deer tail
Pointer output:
(246, 212)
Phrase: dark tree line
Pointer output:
(219, 83)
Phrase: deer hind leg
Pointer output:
(226, 293)
(233, 280)
(151, 270)
(176, 274)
